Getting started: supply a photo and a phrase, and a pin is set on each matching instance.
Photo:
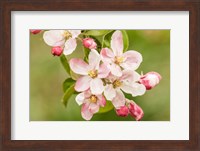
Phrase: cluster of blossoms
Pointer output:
(108, 75)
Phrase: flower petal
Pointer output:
(54, 37)
(80, 98)
(94, 59)
(119, 99)
(103, 71)
(109, 92)
(93, 108)
(107, 55)
(101, 100)
(86, 114)
(96, 86)
(70, 46)
(116, 70)
(82, 84)
(79, 66)
(117, 43)
(132, 60)
(75, 33)
(138, 89)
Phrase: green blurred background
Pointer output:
(47, 76)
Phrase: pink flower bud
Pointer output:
(56, 51)
(35, 31)
(89, 43)
(122, 111)
(136, 111)
(150, 80)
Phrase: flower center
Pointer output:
(93, 99)
(117, 83)
(119, 60)
(67, 34)
(92, 73)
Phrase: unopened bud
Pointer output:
(56, 51)
(89, 43)
(122, 111)
(35, 31)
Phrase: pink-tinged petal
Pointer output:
(116, 70)
(82, 84)
(118, 100)
(54, 37)
(80, 98)
(122, 111)
(86, 114)
(96, 86)
(138, 89)
(70, 46)
(117, 43)
(109, 92)
(101, 100)
(103, 71)
(132, 60)
(136, 111)
(93, 108)
(79, 66)
(127, 75)
(75, 33)
(94, 59)
(107, 55)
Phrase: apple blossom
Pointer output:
(89, 43)
(90, 103)
(56, 51)
(35, 31)
(150, 80)
(116, 59)
(62, 38)
(128, 83)
(92, 73)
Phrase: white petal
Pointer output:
(117, 43)
(138, 89)
(109, 92)
(70, 46)
(116, 70)
(96, 86)
(54, 37)
(80, 98)
(118, 100)
(83, 83)
(75, 33)
(94, 59)
(127, 88)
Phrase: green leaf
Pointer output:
(108, 107)
(106, 39)
(125, 40)
(67, 83)
(86, 53)
(68, 93)
(65, 63)
(96, 32)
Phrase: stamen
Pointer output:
(93, 99)
(118, 60)
(117, 83)
(92, 73)
(67, 34)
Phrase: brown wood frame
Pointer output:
(6, 6)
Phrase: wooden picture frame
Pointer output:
(193, 6)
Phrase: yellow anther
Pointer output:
(93, 99)
(117, 83)
(67, 34)
(92, 73)
(119, 60)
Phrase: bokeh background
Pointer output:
(47, 75)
